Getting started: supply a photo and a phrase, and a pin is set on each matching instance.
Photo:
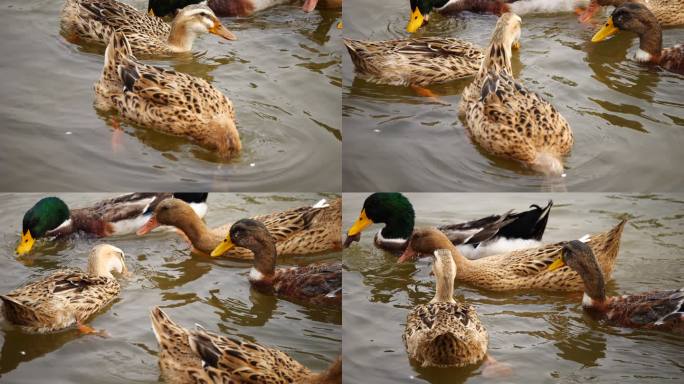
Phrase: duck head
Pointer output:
(46, 215)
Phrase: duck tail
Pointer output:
(163, 326)
(528, 225)
(548, 164)
(444, 350)
(16, 312)
(608, 245)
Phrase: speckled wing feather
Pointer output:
(59, 300)
(518, 123)
(415, 61)
(198, 356)
(445, 334)
(315, 283)
(96, 20)
(650, 309)
(672, 58)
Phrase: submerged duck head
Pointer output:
(390, 208)
(105, 259)
(425, 241)
(174, 212)
(46, 215)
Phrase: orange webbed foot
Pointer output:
(494, 369)
(88, 330)
(117, 134)
(586, 14)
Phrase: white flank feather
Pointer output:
(497, 247)
(546, 6)
(323, 203)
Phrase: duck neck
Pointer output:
(650, 42)
(498, 56)
(199, 234)
(181, 37)
(462, 263)
(264, 261)
(594, 287)
(398, 228)
(444, 290)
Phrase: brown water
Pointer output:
(191, 289)
(627, 119)
(283, 76)
(545, 338)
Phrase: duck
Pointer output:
(508, 120)
(51, 217)
(444, 332)
(166, 101)
(194, 356)
(421, 9)
(521, 269)
(68, 297)
(414, 61)
(240, 8)
(477, 238)
(637, 18)
(299, 231)
(94, 21)
(659, 310)
(317, 284)
(669, 13)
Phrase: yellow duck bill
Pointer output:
(556, 264)
(609, 29)
(361, 223)
(416, 21)
(26, 244)
(225, 246)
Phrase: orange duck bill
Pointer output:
(151, 224)
(408, 255)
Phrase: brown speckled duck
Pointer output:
(94, 21)
(166, 101)
(415, 61)
(444, 332)
(661, 310)
(50, 217)
(635, 17)
(508, 120)
(298, 231)
(67, 297)
(319, 283)
(667, 12)
(521, 269)
(200, 356)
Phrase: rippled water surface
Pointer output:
(283, 76)
(545, 338)
(191, 289)
(627, 119)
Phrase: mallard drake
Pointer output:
(637, 18)
(444, 332)
(417, 61)
(299, 231)
(661, 310)
(194, 356)
(67, 297)
(421, 9)
(167, 101)
(505, 118)
(51, 217)
(522, 269)
(667, 12)
(235, 7)
(319, 283)
(477, 238)
(94, 21)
